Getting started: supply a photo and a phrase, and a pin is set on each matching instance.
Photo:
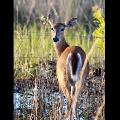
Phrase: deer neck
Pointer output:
(60, 47)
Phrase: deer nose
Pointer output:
(55, 39)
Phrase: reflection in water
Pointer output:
(25, 101)
(22, 101)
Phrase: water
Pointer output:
(21, 100)
(17, 97)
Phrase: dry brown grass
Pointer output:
(88, 101)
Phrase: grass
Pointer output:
(33, 45)
(34, 56)
(88, 102)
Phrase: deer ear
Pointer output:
(52, 16)
(71, 22)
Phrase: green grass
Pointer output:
(34, 45)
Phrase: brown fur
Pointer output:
(64, 84)
(61, 47)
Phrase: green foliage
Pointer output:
(98, 18)
(99, 33)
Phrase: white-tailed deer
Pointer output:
(70, 59)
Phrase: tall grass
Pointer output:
(33, 44)
(30, 46)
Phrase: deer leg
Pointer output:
(73, 108)
(71, 91)
(69, 101)
(75, 98)
(74, 103)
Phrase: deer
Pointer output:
(70, 59)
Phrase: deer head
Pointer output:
(57, 29)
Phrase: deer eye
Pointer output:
(62, 29)
(52, 29)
